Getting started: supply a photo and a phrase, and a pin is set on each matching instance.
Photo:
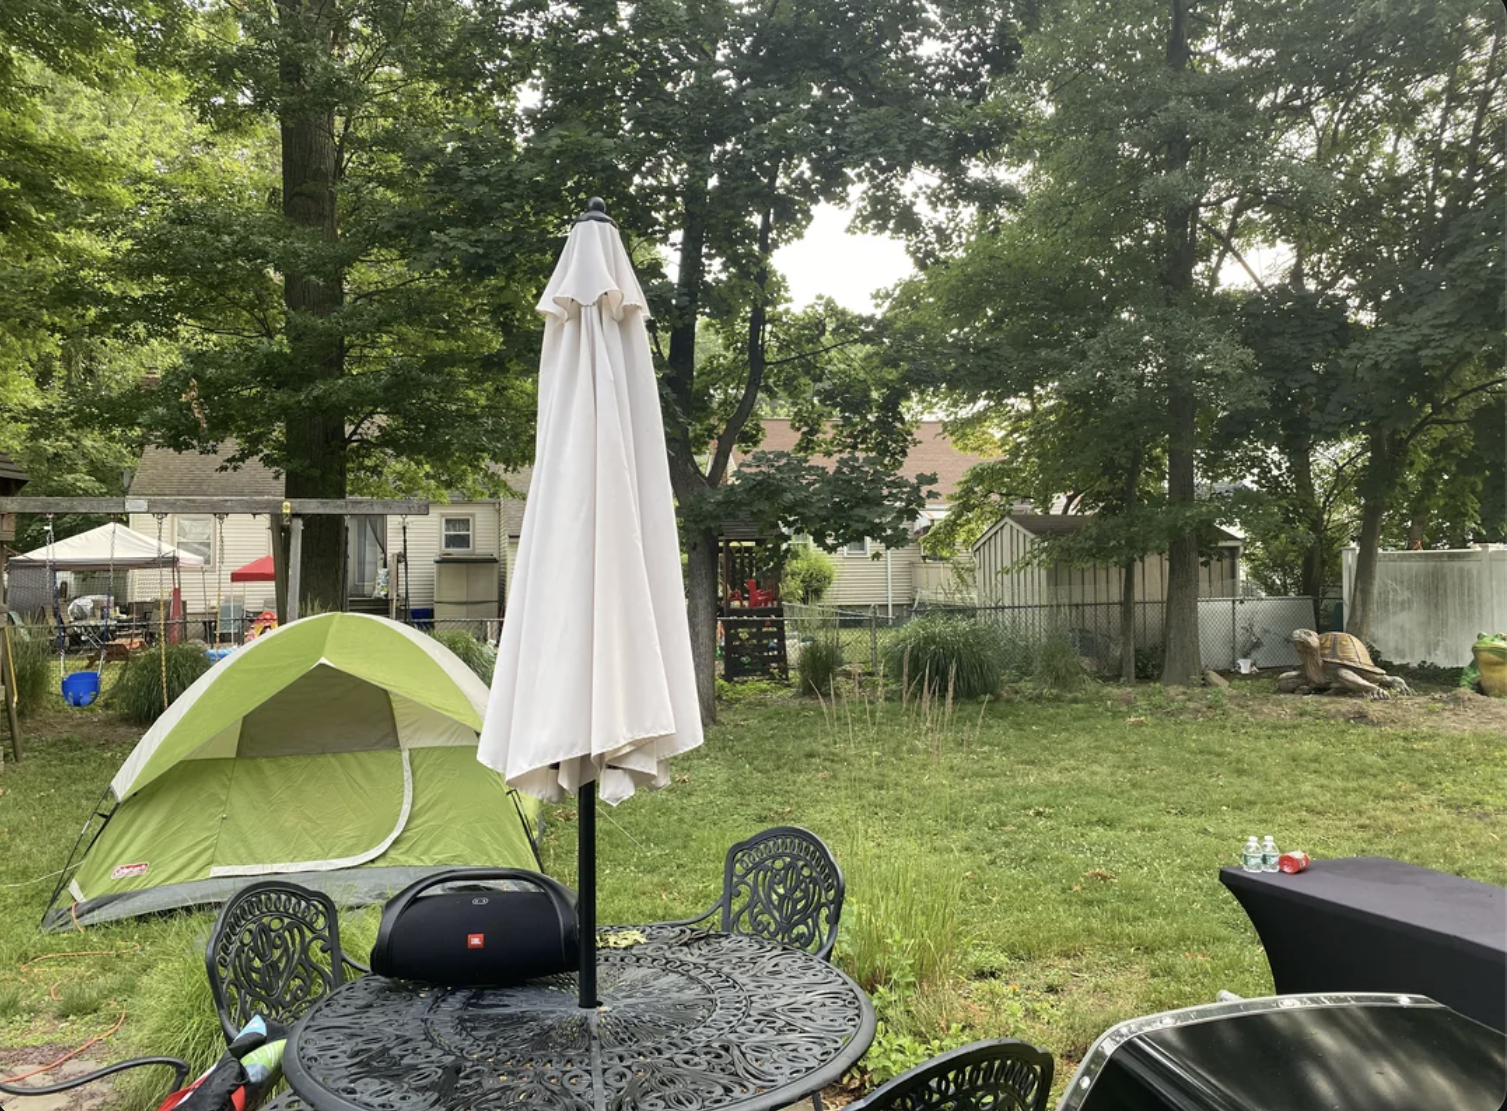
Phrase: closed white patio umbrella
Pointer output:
(594, 688)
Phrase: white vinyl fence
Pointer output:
(1430, 606)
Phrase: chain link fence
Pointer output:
(1230, 630)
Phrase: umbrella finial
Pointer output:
(596, 212)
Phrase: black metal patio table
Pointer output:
(689, 1020)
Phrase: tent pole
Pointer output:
(586, 907)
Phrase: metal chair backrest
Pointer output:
(1004, 1075)
(783, 885)
(274, 950)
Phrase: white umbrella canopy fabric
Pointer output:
(594, 679)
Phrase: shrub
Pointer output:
(473, 653)
(32, 658)
(1058, 668)
(1148, 663)
(819, 662)
(941, 652)
(807, 575)
(138, 692)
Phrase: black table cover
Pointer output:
(689, 1020)
(1374, 924)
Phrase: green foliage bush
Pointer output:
(473, 653)
(32, 658)
(807, 576)
(138, 692)
(967, 655)
(1058, 668)
(819, 663)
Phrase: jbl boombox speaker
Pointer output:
(480, 936)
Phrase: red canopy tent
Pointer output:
(257, 571)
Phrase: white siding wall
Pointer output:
(244, 538)
(424, 545)
(1430, 606)
(863, 581)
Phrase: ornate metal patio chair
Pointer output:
(274, 950)
(1004, 1075)
(781, 885)
(180, 1077)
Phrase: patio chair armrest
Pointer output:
(715, 908)
(180, 1075)
(355, 965)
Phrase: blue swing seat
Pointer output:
(81, 688)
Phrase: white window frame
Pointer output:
(180, 543)
(862, 545)
(470, 519)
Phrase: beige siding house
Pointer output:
(893, 579)
(463, 533)
(225, 544)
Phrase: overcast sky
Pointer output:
(845, 267)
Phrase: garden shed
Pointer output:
(1003, 581)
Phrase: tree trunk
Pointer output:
(1127, 580)
(1310, 514)
(685, 472)
(701, 601)
(1127, 622)
(1363, 592)
(1375, 494)
(315, 437)
(1183, 660)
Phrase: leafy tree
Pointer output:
(1391, 213)
(720, 126)
(1097, 331)
(338, 316)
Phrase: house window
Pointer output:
(857, 548)
(456, 533)
(196, 535)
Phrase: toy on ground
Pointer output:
(1337, 662)
(1487, 673)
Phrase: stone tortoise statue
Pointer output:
(1339, 662)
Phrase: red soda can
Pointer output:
(1293, 862)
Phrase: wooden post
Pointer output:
(295, 560)
(7, 668)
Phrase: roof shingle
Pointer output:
(10, 470)
(932, 453)
(191, 474)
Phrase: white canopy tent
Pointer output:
(109, 547)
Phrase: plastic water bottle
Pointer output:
(1250, 858)
(1269, 854)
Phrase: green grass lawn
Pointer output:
(1030, 869)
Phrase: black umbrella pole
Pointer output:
(586, 909)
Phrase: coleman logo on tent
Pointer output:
(476, 941)
(126, 871)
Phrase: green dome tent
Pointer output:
(338, 751)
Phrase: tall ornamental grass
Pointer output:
(34, 664)
(819, 664)
(138, 693)
(945, 654)
(472, 652)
